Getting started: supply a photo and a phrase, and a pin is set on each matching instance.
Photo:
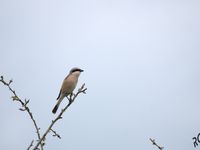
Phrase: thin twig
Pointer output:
(71, 100)
(55, 134)
(31, 144)
(154, 143)
(196, 140)
(24, 106)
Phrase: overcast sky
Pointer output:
(142, 71)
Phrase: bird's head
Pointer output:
(76, 71)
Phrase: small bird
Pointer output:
(68, 86)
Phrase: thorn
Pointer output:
(81, 88)
(26, 102)
(83, 85)
(84, 91)
(10, 82)
(22, 109)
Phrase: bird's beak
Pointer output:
(81, 70)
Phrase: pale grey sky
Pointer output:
(141, 62)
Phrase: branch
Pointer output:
(31, 144)
(196, 140)
(71, 100)
(154, 143)
(24, 107)
(55, 134)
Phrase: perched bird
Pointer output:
(68, 86)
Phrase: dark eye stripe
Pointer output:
(76, 69)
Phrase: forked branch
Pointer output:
(24, 107)
(154, 143)
(71, 100)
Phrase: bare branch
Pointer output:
(31, 144)
(55, 134)
(24, 107)
(71, 100)
(154, 143)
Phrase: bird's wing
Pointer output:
(61, 88)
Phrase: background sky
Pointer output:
(142, 71)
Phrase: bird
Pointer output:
(68, 86)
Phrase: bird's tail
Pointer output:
(57, 105)
(55, 109)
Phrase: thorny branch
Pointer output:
(154, 143)
(71, 100)
(24, 107)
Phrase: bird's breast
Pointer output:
(69, 84)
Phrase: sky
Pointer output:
(141, 67)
